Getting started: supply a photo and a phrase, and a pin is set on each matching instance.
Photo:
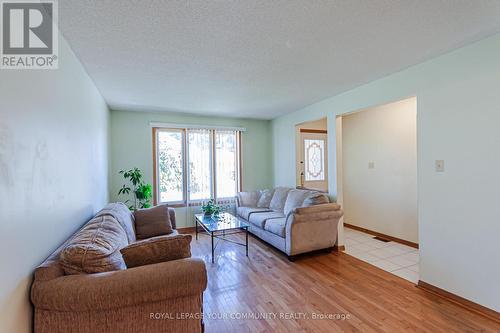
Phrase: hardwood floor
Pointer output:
(266, 283)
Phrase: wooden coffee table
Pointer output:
(218, 227)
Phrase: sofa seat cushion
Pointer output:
(157, 249)
(245, 212)
(95, 248)
(276, 226)
(259, 219)
(120, 212)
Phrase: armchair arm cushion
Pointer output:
(102, 291)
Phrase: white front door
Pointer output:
(314, 161)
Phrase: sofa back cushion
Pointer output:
(315, 198)
(265, 198)
(120, 212)
(279, 197)
(157, 249)
(95, 248)
(295, 199)
(248, 199)
(151, 222)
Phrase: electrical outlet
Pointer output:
(371, 165)
(439, 165)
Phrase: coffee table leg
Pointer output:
(212, 234)
(246, 241)
(196, 227)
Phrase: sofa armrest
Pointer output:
(315, 216)
(101, 291)
(328, 207)
(312, 228)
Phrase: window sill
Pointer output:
(198, 203)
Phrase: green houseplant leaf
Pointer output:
(142, 193)
(211, 208)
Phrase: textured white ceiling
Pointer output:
(254, 58)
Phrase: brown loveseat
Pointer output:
(149, 298)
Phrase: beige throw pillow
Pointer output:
(151, 222)
(265, 198)
(279, 197)
(316, 198)
(157, 249)
(248, 199)
(294, 199)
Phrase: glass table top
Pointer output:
(224, 221)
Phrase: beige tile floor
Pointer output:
(392, 257)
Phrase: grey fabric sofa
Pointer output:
(294, 221)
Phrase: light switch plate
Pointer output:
(439, 165)
(371, 165)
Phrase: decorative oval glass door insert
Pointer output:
(314, 152)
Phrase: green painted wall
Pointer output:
(131, 146)
(458, 113)
(54, 130)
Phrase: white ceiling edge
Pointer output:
(165, 111)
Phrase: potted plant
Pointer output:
(142, 192)
(211, 208)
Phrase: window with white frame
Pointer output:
(195, 164)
